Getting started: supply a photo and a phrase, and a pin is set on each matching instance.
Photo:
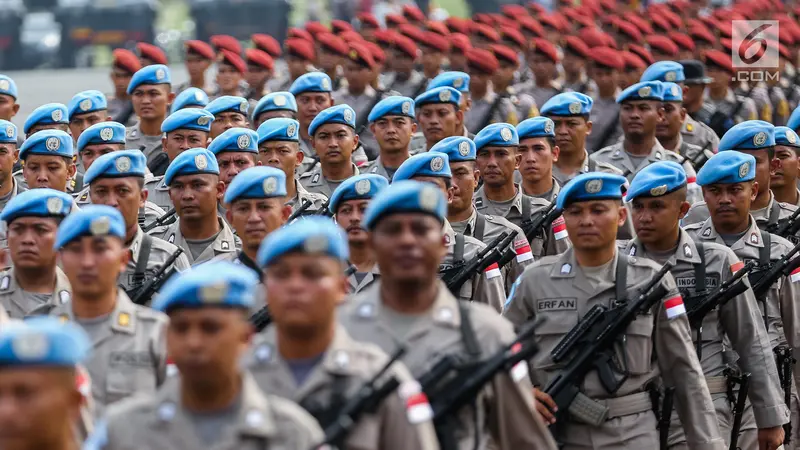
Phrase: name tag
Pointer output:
(712, 281)
(558, 304)
(135, 359)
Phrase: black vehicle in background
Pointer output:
(240, 18)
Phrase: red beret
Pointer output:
(259, 58)
(555, 21)
(785, 35)
(710, 22)
(200, 48)
(629, 30)
(268, 44)
(360, 54)
(725, 29)
(412, 12)
(486, 32)
(535, 8)
(503, 21)
(544, 47)
(377, 53)
(575, 45)
(530, 25)
(299, 33)
(637, 20)
(457, 25)
(437, 27)
(633, 61)
(719, 59)
(607, 57)
(513, 11)
(315, 28)
(726, 43)
(595, 37)
(385, 37)
(682, 40)
(412, 32)
(642, 53)
(224, 41)
(351, 36)
(368, 20)
(435, 41)
(151, 52)
(332, 43)
(232, 59)
(460, 42)
(662, 44)
(660, 24)
(340, 25)
(126, 60)
(483, 18)
(482, 60)
(300, 48)
(702, 34)
(395, 19)
(782, 49)
(513, 36)
(674, 19)
(577, 17)
(501, 52)
(405, 45)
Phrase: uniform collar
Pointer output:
(515, 204)
(469, 224)
(373, 274)
(225, 241)
(566, 267)
(686, 250)
(657, 152)
(751, 238)
(136, 244)
(62, 291)
(123, 319)
(443, 313)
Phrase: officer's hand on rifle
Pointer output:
(770, 438)
(545, 406)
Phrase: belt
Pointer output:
(595, 412)
(717, 385)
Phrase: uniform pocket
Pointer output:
(549, 334)
(128, 374)
(366, 435)
(639, 345)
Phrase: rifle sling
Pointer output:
(144, 256)
(458, 249)
(763, 261)
(774, 214)
(480, 226)
(700, 269)
(468, 333)
(621, 278)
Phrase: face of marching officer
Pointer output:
(195, 196)
(80, 122)
(30, 242)
(592, 225)
(409, 247)
(254, 218)
(537, 156)
(178, 141)
(657, 218)
(440, 120)
(497, 164)
(93, 264)
(640, 117)
(786, 170)
(282, 155)
(334, 142)
(125, 194)
(48, 171)
(571, 132)
(94, 151)
(349, 216)
(393, 133)
(465, 178)
(729, 205)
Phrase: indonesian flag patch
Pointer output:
(418, 409)
(172, 370)
(795, 276)
(523, 251)
(737, 266)
(675, 307)
(520, 370)
(559, 228)
(691, 181)
(83, 382)
(492, 271)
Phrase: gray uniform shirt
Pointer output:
(149, 145)
(476, 118)
(606, 129)
(225, 242)
(160, 251)
(699, 134)
(315, 181)
(19, 305)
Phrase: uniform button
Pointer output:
(264, 353)
(166, 411)
(341, 359)
(444, 315)
(254, 418)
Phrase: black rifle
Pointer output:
(699, 159)
(785, 361)
(167, 219)
(143, 294)
(323, 210)
(738, 407)
(532, 226)
(786, 228)
(362, 123)
(300, 211)
(491, 254)
(721, 122)
(664, 417)
(594, 339)
(487, 117)
(764, 277)
(450, 384)
(367, 399)
(701, 303)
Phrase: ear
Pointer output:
(355, 140)
(460, 115)
(286, 212)
(413, 127)
(143, 194)
(15, 109)
(556, 151)
(164, 141)
(220, 190)
(754, 194)
(16, 155)
(662, 113)
(684, 209)
(623, 215)
(517, 158)
(300, 157)
(451, 191)
(71, 169)
(170, 97)
(477, 175)
(589, 126)
(372, 128)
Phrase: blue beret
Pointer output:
(256, 182)
(439, 95)
(727, 168)
(154, 74)
(102, 133)
(44, 202)
(657, 179)
(47, 142)
(359, 187)
(311, 82)
(406, 196)
(91, 220)
(794, 119)
(119, 164)
(536, 127)
(673, 92)
(235, 139)
(228, 103)
(317, 235)
(645, 90)
(7, 86)
(192, 161)
(748, 135)
(276, 101)
(497, 135)
(279, 129)
(49, 114)
(43, 341)
(664, 71)
(427, 164)
(188, 119)
(343, 114)
(786, 136)
(456, 80)
(190, 97)
(457, 148)
(591, 186)
(86, 102)
(568, 104)
(8, 132)
(213, 284)
(392, 106)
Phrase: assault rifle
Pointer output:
(542, 220)
(763, 278)
(167, 219)
(143, 294)
(788, 227)
(493, 253)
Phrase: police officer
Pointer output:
(770, 100)
(460, 82)
(124, 65)
(279, 147)
(594, 272)
(129, 355)
(151, 96)
(404, 77)
(331, 53)
(607, 67)
(39, 383)
(8, 98)
(84, 110)
(668, 132)
(256, 207)
(334, 138)
(502, 79)
(317, 363)
(439, 115)
(756, 138)
(348, 204)
(51, 116)
(199, 57)
(392, 123)
(275, 104)
(48, 160)
(694, 86)
(229, 112)
(10, 186)
(116, 180)
(538, 151)
(487, 287)
(405, 223)
(230, 70)
(313, 94)
(236, 150)
(259, 71)
(722, 107)
(783, 181)
(658, 195)
(208, 334)
(189, 98)
(299, 56)
(728, 181)
(497, 159)
(570, 113)
(542, 58)
(34, 279)
(485, 108)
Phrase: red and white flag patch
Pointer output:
(523, 251)
(737, 266)
(691, 181)
(172, 369)
(520, 370)
(559, 228)
(418, 410)
(795, 276)
(83, 382)
(675, 307)
(492, 271)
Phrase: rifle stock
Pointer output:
(145, 293)
(542, 220)
(167, 219)
(492, 253)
